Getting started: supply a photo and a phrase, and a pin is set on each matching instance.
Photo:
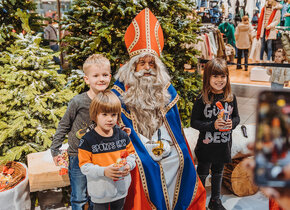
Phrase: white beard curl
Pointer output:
(146, 95)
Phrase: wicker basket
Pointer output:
(17, 176)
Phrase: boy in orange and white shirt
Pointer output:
(100, 150)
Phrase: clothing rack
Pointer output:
(282, 27)
(207, 27)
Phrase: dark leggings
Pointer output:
(240, 52)
(115, 205)
(216, 179)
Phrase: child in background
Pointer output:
(244, 36)
(76, 122)
(99, 151)
(279, 75)
(213, 148)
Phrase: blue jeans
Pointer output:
(264, 47)
(78, 183)
(276, 86)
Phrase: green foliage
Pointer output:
(98, 26)
(12, 14)
(32, 98)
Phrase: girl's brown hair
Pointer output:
(216, 66)
(105, 102)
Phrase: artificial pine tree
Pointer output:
(10, 22)
(33, 98)
(98, 26)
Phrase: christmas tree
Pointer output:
(33, 97)
(98, 26)
(11, 23)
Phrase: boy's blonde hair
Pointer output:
(105, 102)
(95, 59)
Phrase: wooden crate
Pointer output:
(43, 174)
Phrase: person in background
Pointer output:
(283, 11)
(243, 35)
(269, 19)
(51, 35)
(279, 76)
(106, 154)
(213, 147)
(286, 15)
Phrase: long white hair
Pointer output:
(146, 95)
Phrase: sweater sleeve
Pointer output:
(235, 114)
(63, 128)
(85, 161)
(196, 117)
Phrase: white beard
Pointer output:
(146, 95)
(145, 98)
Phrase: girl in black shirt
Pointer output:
(215, 123)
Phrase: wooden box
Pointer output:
(43, 173)
(259, 74)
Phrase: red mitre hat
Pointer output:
(144, 34)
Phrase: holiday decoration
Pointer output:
(62, 161)
(98, 26)
(121, 162)
(33, 98)
(10, 175)
(223, 114)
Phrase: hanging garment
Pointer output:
(221, 46)
(287, 19)
(255, 50)
(225, 7)
(208, 46)
(232, 8)
(284, 10)
(286, 44)
(230, 52)
(212, 43)
(229, 31)
(215, 14)
(251, 5)
(200, 46)
(263, 2)
(242, 3)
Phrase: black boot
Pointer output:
(216, 205)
